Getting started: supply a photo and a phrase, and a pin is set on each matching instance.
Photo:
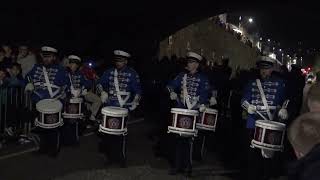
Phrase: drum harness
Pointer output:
(119, 93)
(49, 85)
(71, 84)
(186, 96)
(264, 100)
(264, 152)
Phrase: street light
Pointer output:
(280, 50)
(250, 20)
(268, 40)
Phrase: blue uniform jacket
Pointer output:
(129, 81)
(197, 86)
(57, 76)
(274, 90)
(79, 81)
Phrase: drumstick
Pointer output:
(261, 115)
(245, 105)
(285, 104)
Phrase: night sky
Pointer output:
(96, 28)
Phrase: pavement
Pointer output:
(86, 163)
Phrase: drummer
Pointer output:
(57, 77)
(79, 86)
(123, 91)
(195, 97)
(265, 95)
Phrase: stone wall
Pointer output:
(211, 41)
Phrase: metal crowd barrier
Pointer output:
(13, 103)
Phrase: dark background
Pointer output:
(94, 29)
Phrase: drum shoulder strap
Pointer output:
(263, 98)
(45, 73)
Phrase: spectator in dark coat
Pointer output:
(304, 136)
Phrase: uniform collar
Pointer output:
(123, 69)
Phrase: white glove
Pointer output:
(251, 109)
(29, 87)
(133, 106)
(202, 108)
(135, 103)
(84, 92)
(104, 96)
(173, 96)
(75, 92)
(213, 101)
(283, 114)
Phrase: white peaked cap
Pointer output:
(121, 53)
(194, 55)
(74, 57)
(48, 49)
(267, 59)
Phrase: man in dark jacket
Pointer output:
(304, 136)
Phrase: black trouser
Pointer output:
(49, 141)
(182, 153)
(258, 167)
(70, 132)
(114, 147)
(200, 145)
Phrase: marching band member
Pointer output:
(79, 86)
(119, 86)
(193, 89)
(263, 98)
(48, 80)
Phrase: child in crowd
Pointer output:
(15, 92)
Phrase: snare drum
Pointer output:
(49, 114)
(72, 109)
(269, 135)
(207, 120)
(114, 120)
(183, 122)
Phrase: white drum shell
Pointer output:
(48, 106)
(269, 125)
(111, 111)
(181, 131)
(74, 116)
(206, 127)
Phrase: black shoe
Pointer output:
(189, 173)
(54, 154)
(107, 162)
(173, 171)
(123, 164)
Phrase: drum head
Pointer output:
(211, 111)
(49, 106)
(114, 111)
(76, 100)
(270, 124)
(184, 111)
